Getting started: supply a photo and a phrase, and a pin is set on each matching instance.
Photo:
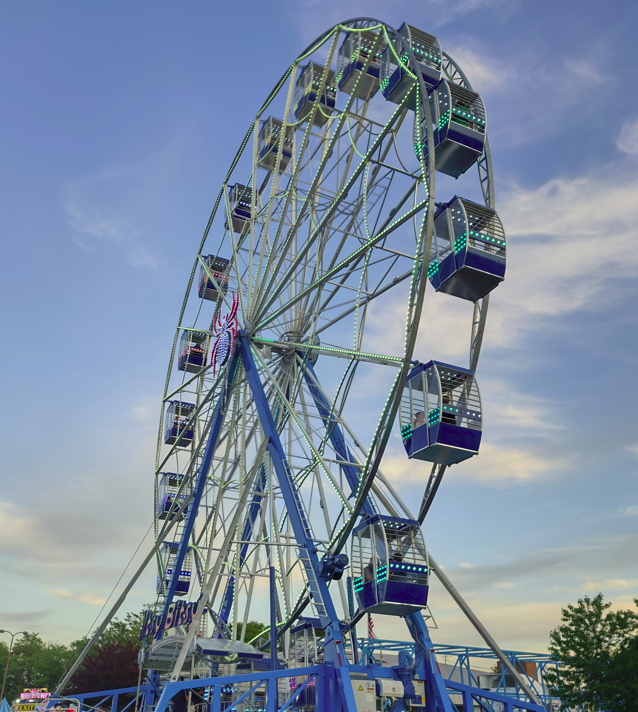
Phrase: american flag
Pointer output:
(371, 627)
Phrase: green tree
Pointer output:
(599, 652)
(34, 663)
(112, 663)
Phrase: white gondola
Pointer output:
(179, 429)
(395, 80)
(268, 143)
(307, 94)
(353, 55)
(390, 572)
(240, 198)
(213, 278)
(458, 115)
(440, 414)
(468, 250)
(169, 503)
(167, 556)
(192, 351)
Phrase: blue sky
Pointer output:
(118, 123)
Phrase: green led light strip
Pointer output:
(329, 350)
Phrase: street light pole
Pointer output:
(6, 670)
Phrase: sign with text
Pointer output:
(40, 693)
(179, 613)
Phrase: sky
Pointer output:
(118, 123)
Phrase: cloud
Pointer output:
(147, 410)
(117, 232)
(610, 584)
(500, 465)
(504, 584)
(44, 543)
(631, 511)
(497, 466)
(569, 240)
(627, 140)
(89, 598)
(567, 566)
(485, 73)
(312, 16)
(507, 409)
(119, 204)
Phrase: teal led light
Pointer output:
(460, 243)
(406, 432)
(433, 269)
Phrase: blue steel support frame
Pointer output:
(334, 652)
(334, 432)
(199, 486)
(104, 695)
(317, 671)
(426, 667)
(253, 511)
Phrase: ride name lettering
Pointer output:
(178, 614)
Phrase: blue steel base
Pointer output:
(281, 690)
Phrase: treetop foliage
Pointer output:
(35, 663)
(599, 651)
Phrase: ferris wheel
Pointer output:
(293, 364)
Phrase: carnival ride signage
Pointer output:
(179, 614)
(35, 694)
(225, 333)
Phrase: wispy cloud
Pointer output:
(501, 466)
(145, 411)
(610, 584)
(117, 204)
(569, 238)
(627, 140)
(314, 16)
(89, 598)
(92, 221)
(497, 466)
(631, 511)
(485, 73)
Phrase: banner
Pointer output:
(179, 614)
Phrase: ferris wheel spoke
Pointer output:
(265, 305)
(337, 352)
(361, 255)
(339, 420)
(345, 262)
(317, 458)
(269, 269)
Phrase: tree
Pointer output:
(111, 666)
(599, 652)
(112, 663)
(253, 629)
(34, 663)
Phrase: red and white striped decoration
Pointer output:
(371, 627)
